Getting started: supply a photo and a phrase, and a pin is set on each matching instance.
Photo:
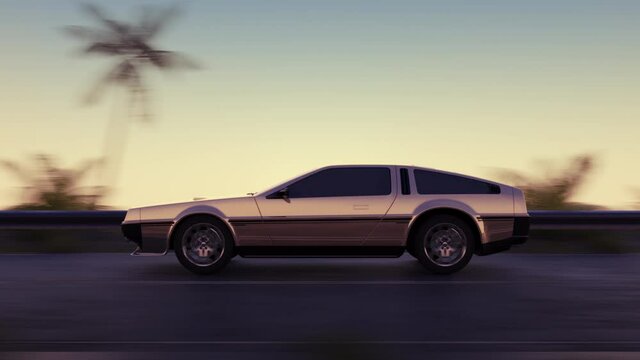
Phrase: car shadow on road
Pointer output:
(404, 269)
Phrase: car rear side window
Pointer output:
(431, 182)
(359, 181)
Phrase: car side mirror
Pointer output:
(284, 194)
(280, 194)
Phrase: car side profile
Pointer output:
(440, 218)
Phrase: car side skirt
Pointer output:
(320, 251)
(374, 231)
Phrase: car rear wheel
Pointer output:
(203, 245)
(444, 244)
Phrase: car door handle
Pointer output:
(360, 207)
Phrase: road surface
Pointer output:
(113, 306)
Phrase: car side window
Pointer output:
(431, 182)
(360, 181)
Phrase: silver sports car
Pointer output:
(440, 218)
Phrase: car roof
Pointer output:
(380, 165)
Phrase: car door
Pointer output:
(336, 206)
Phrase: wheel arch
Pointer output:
(414, 226)
(216, 218)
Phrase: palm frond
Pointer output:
(87, 166)
(145, 14)
(46, 163)
(98, 14)
(89, 34)
(105, 48)
(171, 60)
(17, 170)
(152, 22)
(130, 44)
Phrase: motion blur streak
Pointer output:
(535, 306)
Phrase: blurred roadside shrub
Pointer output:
(551, 188)
(50, 187)
(47, 186)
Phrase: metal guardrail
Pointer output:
(588, 219)
(540, 219)
(28, 219)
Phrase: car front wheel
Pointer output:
(444, 244)
(203, 245)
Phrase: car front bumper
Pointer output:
(152, 238)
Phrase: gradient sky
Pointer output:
(287, 86)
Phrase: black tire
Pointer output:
(214, 233)
(410, 250)
(437, 230)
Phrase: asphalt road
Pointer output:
(113, 306)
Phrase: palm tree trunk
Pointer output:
(115, 139)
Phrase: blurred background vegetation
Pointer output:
(551, 187)
(51, 187)
(47, 186)
(130, 46)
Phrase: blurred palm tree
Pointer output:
(50, 187)
(556, 188)
(129, 45)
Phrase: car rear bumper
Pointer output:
(500, 245)
(502, 233)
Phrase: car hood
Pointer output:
(224, 208)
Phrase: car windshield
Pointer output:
(277, 185)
